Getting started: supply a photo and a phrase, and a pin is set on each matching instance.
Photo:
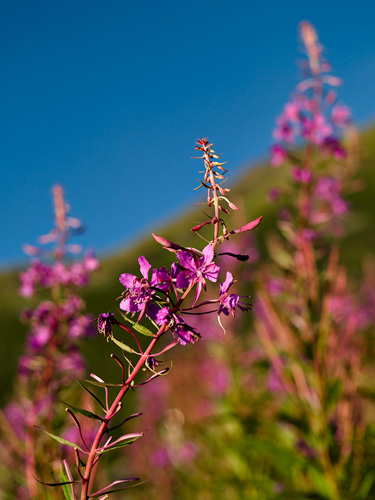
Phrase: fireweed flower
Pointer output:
(340, 115)
(306, 318)
(56, 327)
(105, 322)
(302, 175)
(315, 121)
(175, 322)
(229, 301)
(312, 114)
(141, 291)
(197, 269)
(154, 305)
(329, 190)
(278, 155)
(37, 274)
(185, 334)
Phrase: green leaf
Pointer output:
(85, 413)
(100, 384)
(94, 396)
(129, 439)
(137, 327)
(202, 184)
(62, 440)
(64, 478)
(123, 346)
(107, 488)
(366, 485)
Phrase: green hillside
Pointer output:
(250, 194)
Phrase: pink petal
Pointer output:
(224, 287)
(127, 280)
(208, 254)
(145, 266)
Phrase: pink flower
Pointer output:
(278, 155)
(292, 111)
(302, 175)
(197, 269)
(229, 301)
(140, 291)
(284, 130)
(340, 115)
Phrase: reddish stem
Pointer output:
(111, 412)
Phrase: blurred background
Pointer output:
(108, 100)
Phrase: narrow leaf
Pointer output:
(64, 478)
(55, 484)
(94, 396)
(123, 422)
(156, 374)
(202, 184)
(85, 413)
(67, 470)
(139, 328)
(61, 440)
(122, 441)
(120, 481)
(100, 384)
(123, 346)
(142, 329)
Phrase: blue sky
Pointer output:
(108, 98)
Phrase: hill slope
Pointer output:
(251, 189)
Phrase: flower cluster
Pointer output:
(159, 293)
(302, 119)
(322, 204)
(306, 316)
(311, 127)
(52, 275)
(45, 328)
(156, 298)
(58, 322)
(159, 301)
(56, 327)
(313, 115)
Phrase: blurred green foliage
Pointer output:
(219, 474)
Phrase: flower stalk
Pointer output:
(157, 299)
(57, 326)
(308, 326)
